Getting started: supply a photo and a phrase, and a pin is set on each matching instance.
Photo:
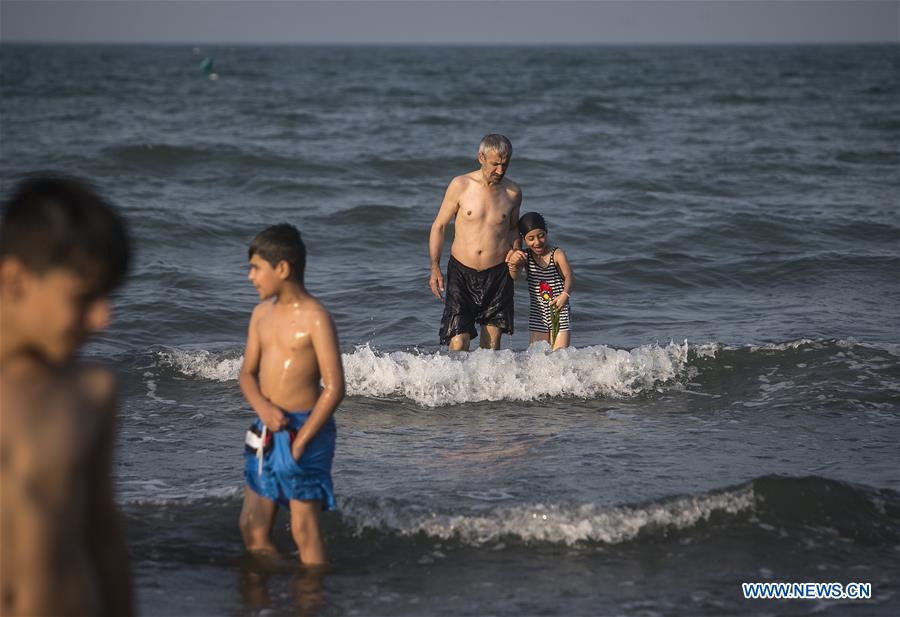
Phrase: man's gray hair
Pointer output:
(496, 143)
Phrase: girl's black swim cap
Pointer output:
(530, 221)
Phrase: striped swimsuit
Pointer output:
(538, 310)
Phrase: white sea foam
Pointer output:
(438, 378)
(202, 363)
(156, 492)
(151, 390)
(803, 342)
(890, 348)
(433, 379)
(566, 524)
(709, 350)
(556, 523)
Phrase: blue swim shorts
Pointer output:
(282, 478)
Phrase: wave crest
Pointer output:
(804, 508)
(555, 523)
(202, 363)
(435, 379)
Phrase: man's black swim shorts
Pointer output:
(476, 296)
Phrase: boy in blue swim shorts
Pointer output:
(293, 378)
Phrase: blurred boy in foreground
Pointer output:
(63, 249)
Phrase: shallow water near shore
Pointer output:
(729, 411)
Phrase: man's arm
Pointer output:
(104, 536)
(271, 416)
(449, 208)
(513, 238)
(323, 336)
(515, 260)
(513, 271)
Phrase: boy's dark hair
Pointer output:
(530, 221)
(278, 243)
(56, 221)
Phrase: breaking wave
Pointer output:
(796, 506)
(436, 379)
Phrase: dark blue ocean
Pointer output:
(730, 409)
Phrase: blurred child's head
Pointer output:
(277, 254)
(63, 250)
(533, 230)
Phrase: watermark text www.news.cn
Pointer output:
(807, 591)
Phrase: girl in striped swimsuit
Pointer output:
(544, 266)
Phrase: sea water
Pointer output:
(729, 410)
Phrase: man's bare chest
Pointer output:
(485, 210)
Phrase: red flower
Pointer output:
(545, 291)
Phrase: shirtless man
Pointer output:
(292, 347)
(62, 251)
(484, 206)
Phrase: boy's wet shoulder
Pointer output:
(306, 311)
(262, 310)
